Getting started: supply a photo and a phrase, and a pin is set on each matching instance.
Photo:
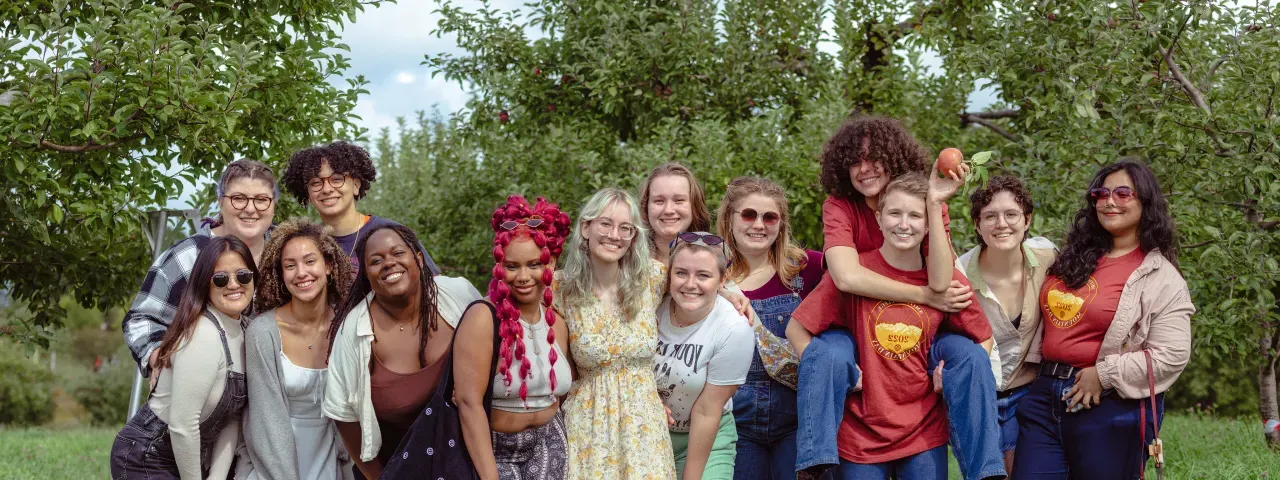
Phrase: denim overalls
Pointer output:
(765, 410)
(143, 448)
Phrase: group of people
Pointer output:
(647, 339)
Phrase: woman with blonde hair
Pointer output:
(775, 274)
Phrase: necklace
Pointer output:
(293, 321)
(356, 242)
(393, 318)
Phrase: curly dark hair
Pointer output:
(1088, 241)
(879, 139)
(272, 292)
(982, 197)
(427, 313)
(343, 157)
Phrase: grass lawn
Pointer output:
(1198, 447)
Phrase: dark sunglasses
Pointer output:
(244, 276)
(1123, 194)
(750, 215)
(532, 222)
(697, 238)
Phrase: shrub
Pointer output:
(105, 394)
(26, 389)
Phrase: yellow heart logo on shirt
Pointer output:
(1065, 306)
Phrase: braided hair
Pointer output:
(427, 311)
(549, 237)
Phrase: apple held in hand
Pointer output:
(949, 161)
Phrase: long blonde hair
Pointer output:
(575, 274)
(787, 258)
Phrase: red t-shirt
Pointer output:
(1076, 320)
(897, 414)
(853, 224)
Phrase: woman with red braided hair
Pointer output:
(511, 369)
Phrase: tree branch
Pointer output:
(994, 114)
(903, 28)
(88, 147)
(967, 118)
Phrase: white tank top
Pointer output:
(540, 396)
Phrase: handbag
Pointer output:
(1156, 448)
(434, 447)
(779, 359)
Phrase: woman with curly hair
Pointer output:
(389, 345)
(1116, 335)
(332, 178)
(304, 278)
(858, 162)
(672, 201)
(510, 366)
(775, 274)
(1007, 268)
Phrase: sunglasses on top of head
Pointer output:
(750, 215)
(243, 276)
(1122, 194)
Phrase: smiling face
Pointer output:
(522, 262)
(869, 177)
(391, 266)
(331, 201)
(303, 269)
(247, 222)
(670, 209)
(1119, 217)
(1001, 223)
(234, 298)
(756, 237)
(695, 279)
(607, 235)
(903, 221)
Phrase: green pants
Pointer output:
(723, 451)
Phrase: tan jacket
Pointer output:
(1009, 357)
(1154, 314)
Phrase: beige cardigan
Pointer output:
(1154, 314)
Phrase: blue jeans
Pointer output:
(1097, 443)
(1007, 409)
(829, 371)
(765, 410)
(927, 465)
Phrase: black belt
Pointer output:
(1058, 370)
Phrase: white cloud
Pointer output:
(405, 77)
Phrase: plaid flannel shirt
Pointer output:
(157, 302)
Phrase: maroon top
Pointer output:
(399, 397)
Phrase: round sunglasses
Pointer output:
(243, 276)
(1123, 194)
(750, 215)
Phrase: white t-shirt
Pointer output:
(715, 351)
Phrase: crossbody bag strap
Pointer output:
(1156, 448)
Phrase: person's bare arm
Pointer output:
(941, 259)
(704, 422)
(473, 355)
(799, 337)
(350, 433)
(851, 277)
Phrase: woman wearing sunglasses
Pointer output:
(673, 202)
(305, 276)
(1007, 269)
(332, 178)
(704, 352)
(510, 353)
(389, 347)
(246, 202)
(775, 274)
(190, 426)
(1116, 335)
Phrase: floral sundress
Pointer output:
(616, 423)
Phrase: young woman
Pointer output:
(858, 162)
(704, 351)
(522, 436)
(1006, 269)
(246, 199)
(332, 178)
(1116, 330)
(608, 290)
(672, 202)
(775, 275)
(388, 343)
(305, 276)
(896, 427)
(190, 426)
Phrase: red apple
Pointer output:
(949, 161)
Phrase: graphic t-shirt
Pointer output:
(372, 222)
(897, 414)
(1076, 320)
(715, 351)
